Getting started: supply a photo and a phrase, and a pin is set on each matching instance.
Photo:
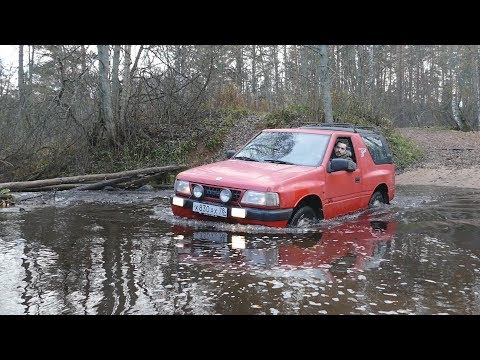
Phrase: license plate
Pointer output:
(210, 210)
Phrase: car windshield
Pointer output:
(291, 148)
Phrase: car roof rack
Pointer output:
(341, 126)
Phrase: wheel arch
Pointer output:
(314, 202)
(383, 189)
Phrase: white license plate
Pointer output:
(210, 210)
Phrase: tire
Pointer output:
(303, 216)
(376, 199)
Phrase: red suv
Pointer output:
(285, 177)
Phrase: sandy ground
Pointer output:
(453, 158)
(442, 176)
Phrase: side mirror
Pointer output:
(352, 166)
(341, 164)
(230, 153)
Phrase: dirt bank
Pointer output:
(452, 158)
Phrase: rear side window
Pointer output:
(378, 149)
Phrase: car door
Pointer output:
(343, 188)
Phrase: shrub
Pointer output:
(405, 153)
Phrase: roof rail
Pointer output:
(346, 126)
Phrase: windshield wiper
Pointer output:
(246, 158)
(278, 161)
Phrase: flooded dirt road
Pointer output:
(99, 252)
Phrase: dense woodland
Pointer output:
(78, 109)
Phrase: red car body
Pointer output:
(328, 193)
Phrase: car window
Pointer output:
(378, 149)
(286, 147)
(350, 150)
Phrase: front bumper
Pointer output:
(254, 214)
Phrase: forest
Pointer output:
(83, 109)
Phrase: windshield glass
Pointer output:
(286, 148)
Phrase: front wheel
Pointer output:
(376, 199)
(303, 217)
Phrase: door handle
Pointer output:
(357, 179)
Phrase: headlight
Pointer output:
(260, 198)
(225, 195)
(182, 187)
(198, 191)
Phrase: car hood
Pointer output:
(244, 174)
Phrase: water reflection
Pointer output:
(336, 249)
(127, 254)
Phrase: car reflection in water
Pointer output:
(350, 246)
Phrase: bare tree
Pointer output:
(106, 113)
(325, 83)
(400, 71)
(454, 80)
(239, 68)
(115, 82)
(371, 72)
(286, 73)
(127, 62)
(21, 84)
(278, 85)
(254, 75)
(477, 82)
(266, 86)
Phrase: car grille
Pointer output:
(214, 193)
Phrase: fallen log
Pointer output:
(61, 187)
(58, 187)
(21, 185)
(164, 186)
(101, 184)
(142, 181)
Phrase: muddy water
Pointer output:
(124, 253)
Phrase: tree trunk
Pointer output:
(286, 74)
(254, 76)
(477, 81)
(400, 83)
(21, 84)
(115, 82)
(359, 70)
(13, 186)
(106, 113)
(338, 68)
(127, 62)
(278, 96)
(265, 70)
(325, 83)
(137, 59)
(142, 181)
(101, 184)
(453, 76)
(371, 73)
(239, 68)
(31, 56)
